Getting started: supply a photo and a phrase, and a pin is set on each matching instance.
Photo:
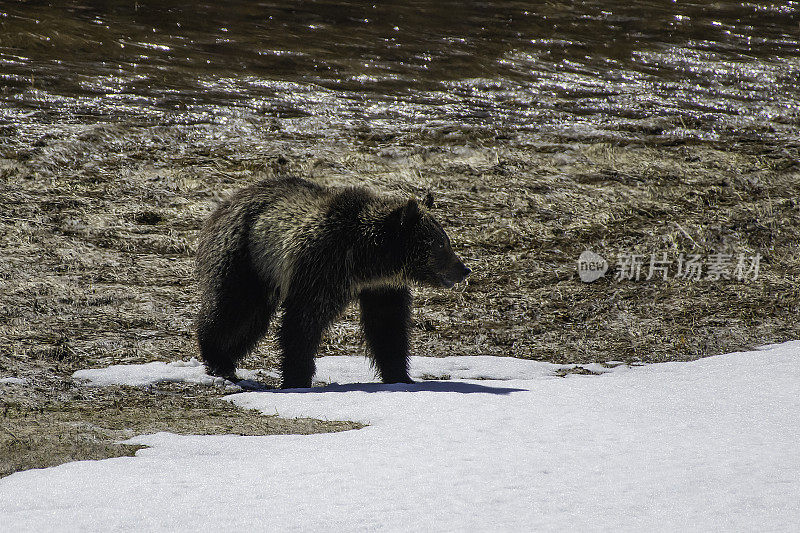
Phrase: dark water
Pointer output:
(708, 70)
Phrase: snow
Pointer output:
(706, 445)
(191, 371)
(333, 369)
(12, 381)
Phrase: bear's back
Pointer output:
(286, 215)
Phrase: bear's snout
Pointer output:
(462, 271)
(455, 274)
(465, 271)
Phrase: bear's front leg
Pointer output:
(301, 330)
(385, 319)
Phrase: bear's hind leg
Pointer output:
(230, 324)
(385, 319)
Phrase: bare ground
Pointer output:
(98, 226)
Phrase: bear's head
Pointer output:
(429, 257)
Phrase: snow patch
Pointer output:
(336, 369)
(12, 381)
(191, 371)
(708, 445)
(346, 369)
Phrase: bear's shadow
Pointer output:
(421, 386)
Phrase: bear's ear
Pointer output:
(404, 216)
(410, 213)
(428, 201)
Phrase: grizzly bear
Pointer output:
(311, 250)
